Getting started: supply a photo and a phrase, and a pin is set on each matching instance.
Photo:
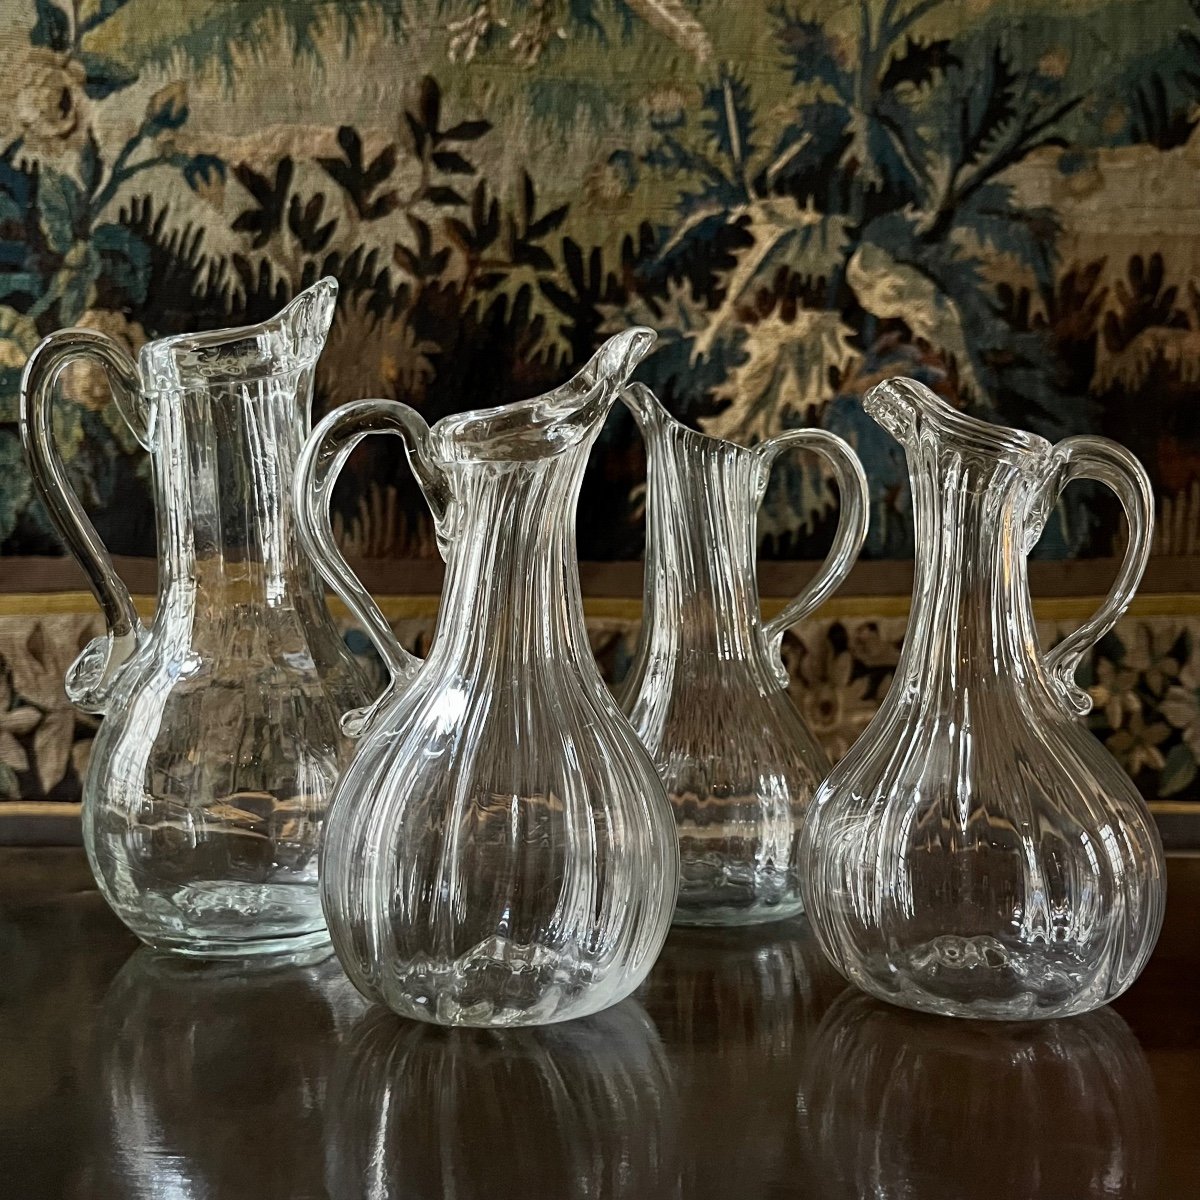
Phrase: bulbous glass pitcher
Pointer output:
(707, 692)
(500, 850)
(209, 777)
(978, 853)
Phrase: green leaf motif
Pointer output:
(52, 28)
(203, 170)
(75, 282)
(15, 485)
(167, 109)
(10, 788)
(125, 258)
(60, 202)
(100, 13)
(1178, 771)
(104, 75)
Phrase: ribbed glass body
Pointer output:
(978, 852)
(209, 778)
(499, 850)
(707, 692)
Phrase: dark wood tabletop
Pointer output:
(744, 1069)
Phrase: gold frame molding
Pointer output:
(625, 608)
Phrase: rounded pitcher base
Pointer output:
(983, 978)
(501, 984)
(717, 891)
(715, 910)
(223, 919)
(303, 950)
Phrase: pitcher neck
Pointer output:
(225, 460)
(701, 588)
(512, 594)
(972, 612)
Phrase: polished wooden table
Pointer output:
(744, 1069)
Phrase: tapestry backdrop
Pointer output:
(998, 197)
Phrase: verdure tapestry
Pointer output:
(997, 197)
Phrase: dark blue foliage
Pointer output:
(202, 170)
(729, 118)
(810, 51)
(52, 28)
(104, 75)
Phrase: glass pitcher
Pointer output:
(209, 777)
(978, 853)
(707, 692)
(500, 850)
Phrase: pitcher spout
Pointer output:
(586, 398)
(570, 415)
(303, 325)
(647, 409)
(911, 413)
(290, 341)
(614, 362)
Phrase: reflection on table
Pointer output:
(743, 1068)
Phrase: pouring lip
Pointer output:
(289, 341)
(549, 423)
(664, 418)
(906, 407)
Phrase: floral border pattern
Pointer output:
(1144, 679)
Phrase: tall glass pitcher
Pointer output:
(708, 692)
(978, 853)
(208, 780)
(500, 850)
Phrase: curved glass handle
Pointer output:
(851, 530)
(90, 678)
(1087, 457)
(324, 454)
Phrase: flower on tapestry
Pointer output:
(39, 728)
(836, 702)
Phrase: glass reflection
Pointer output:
(735, 1010)
(583, 1110)
(211, 1077)
(902, 1104)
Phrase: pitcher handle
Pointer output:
(321, 460)
(90, 678)
(1107, 462)
(851, 530)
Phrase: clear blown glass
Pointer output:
(209, 777)
(978, 853)
(210, 1078)
(1054, 1109)
(707, 692)
(584, 1111)
(500, 850)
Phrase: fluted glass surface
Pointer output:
(500, 850)
(1049, 1110)
(583, 1111)
(978, 852)
(707, 692)
(209, 778)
